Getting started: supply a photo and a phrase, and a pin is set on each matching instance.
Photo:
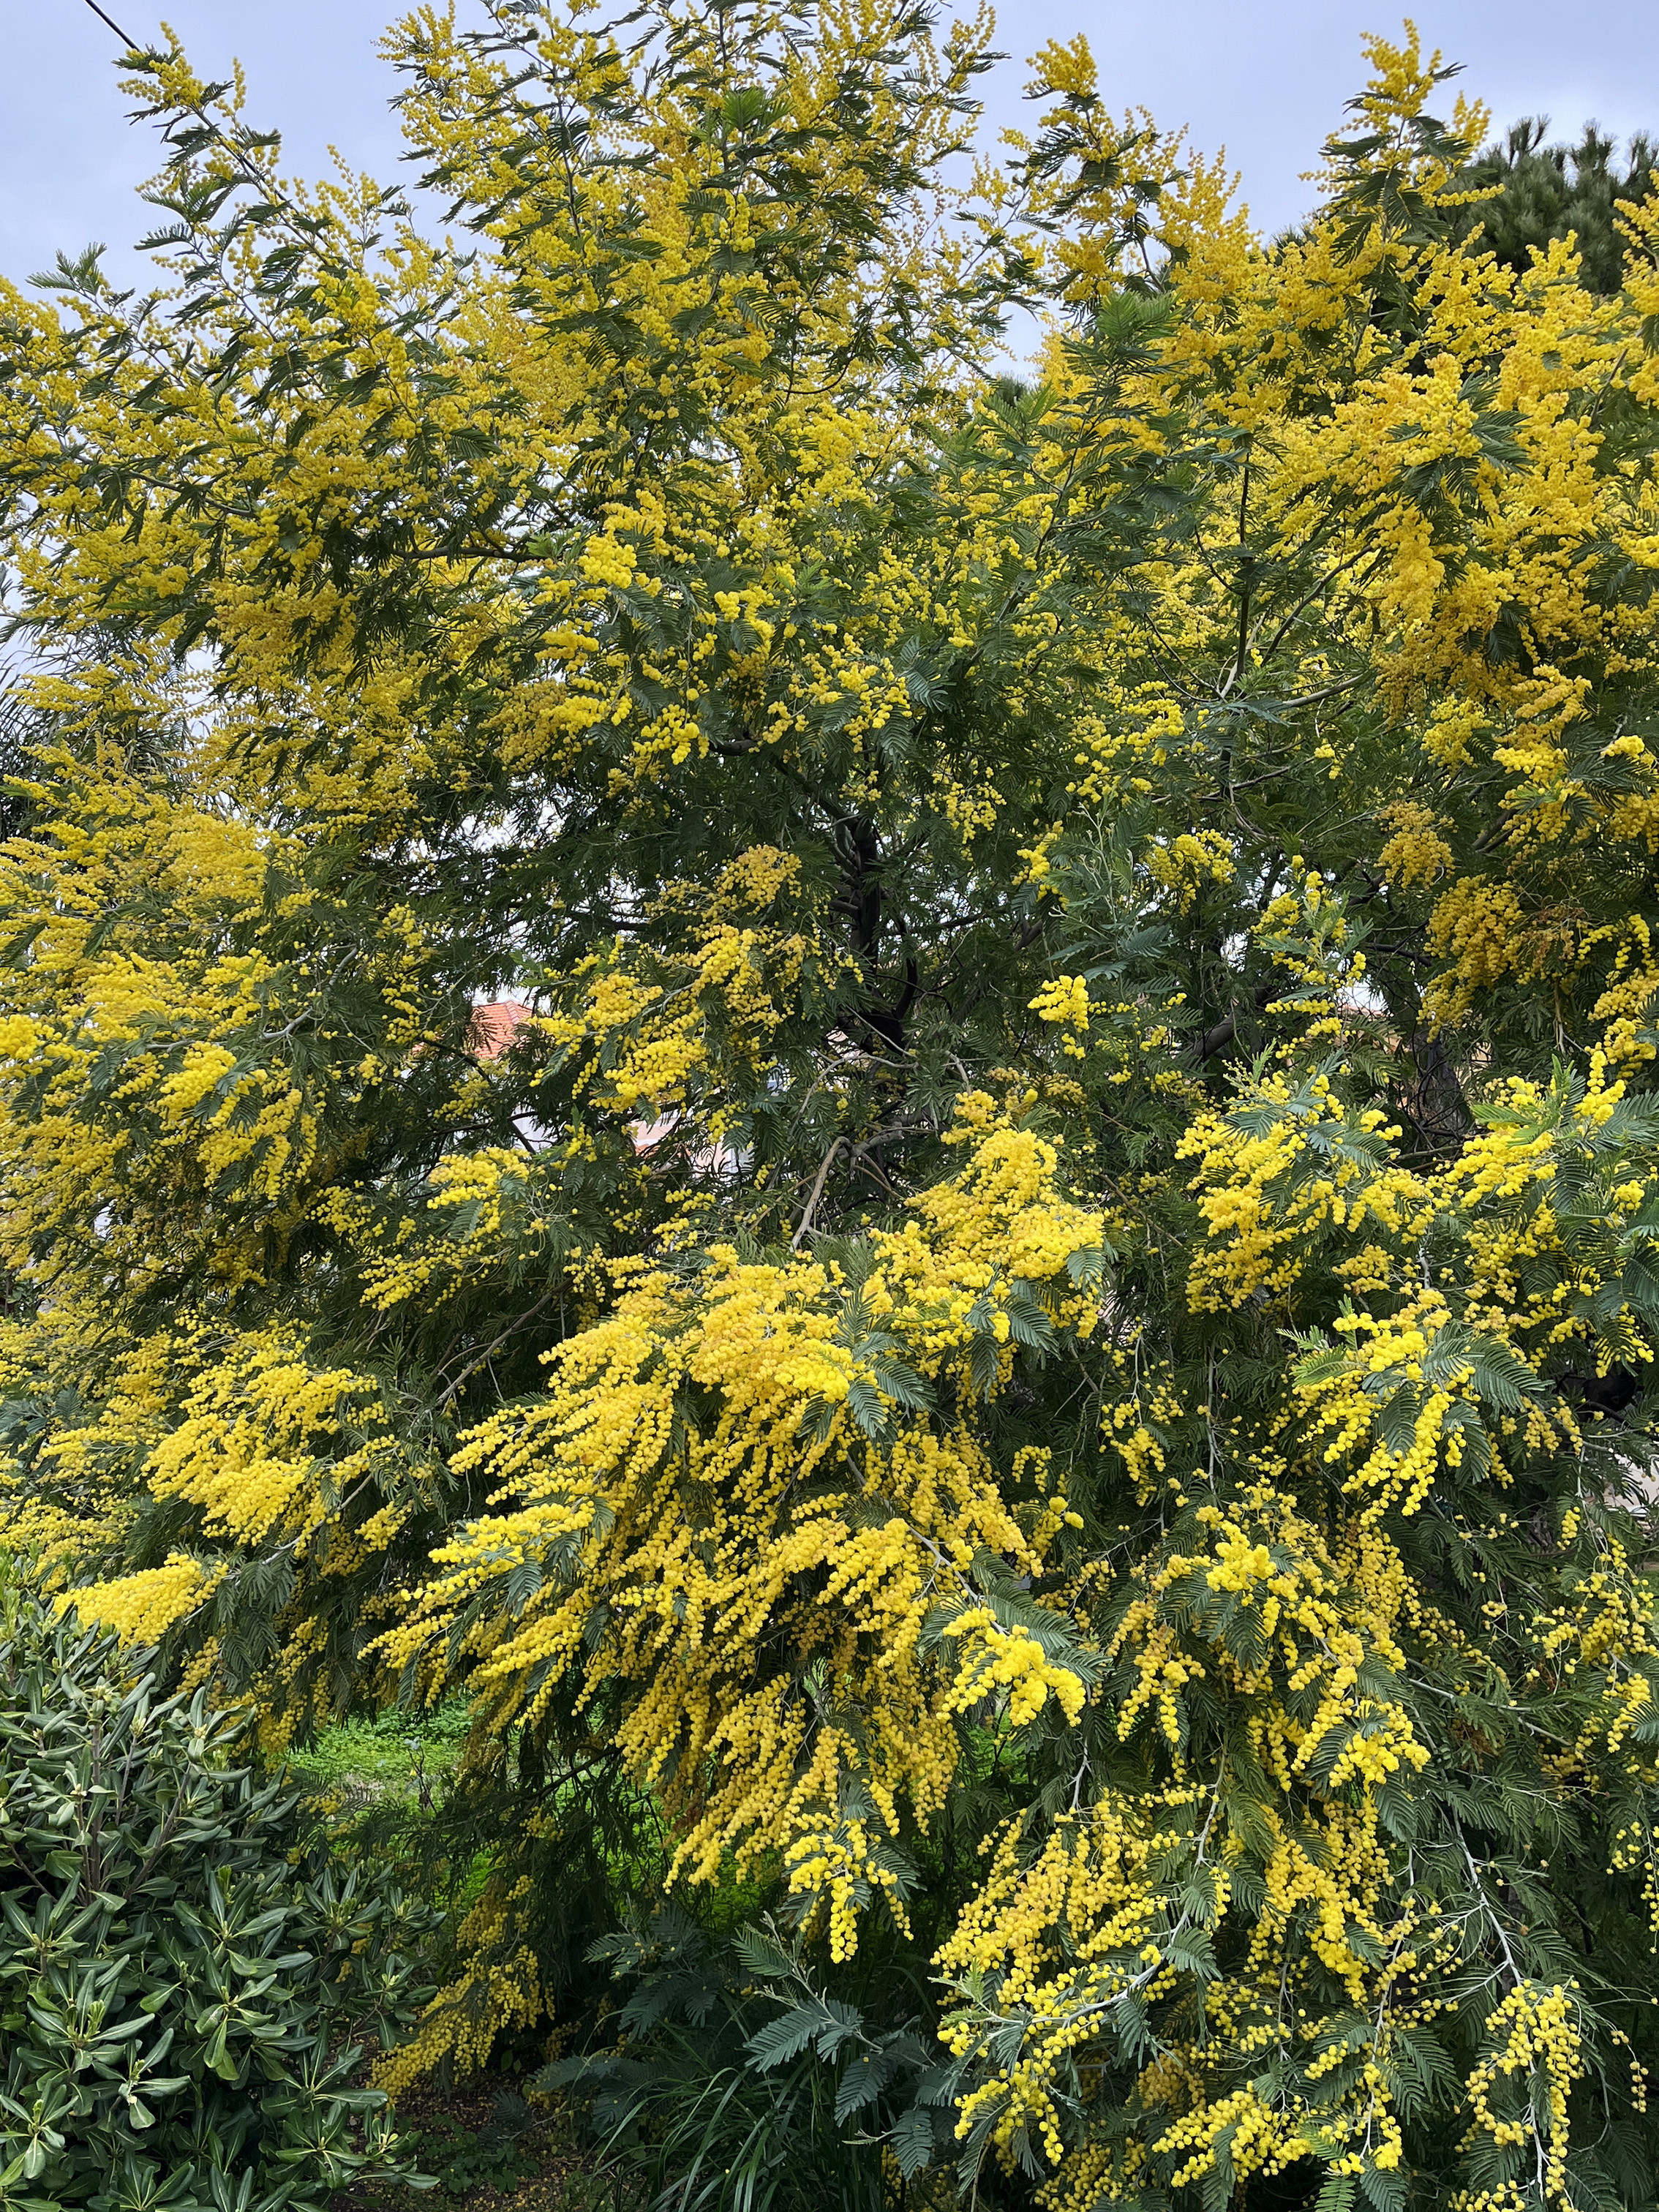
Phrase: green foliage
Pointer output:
(499, 2156)
(736, 2081)
(184, 1981)
(561, 1829)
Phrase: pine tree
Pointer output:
(1532, 194)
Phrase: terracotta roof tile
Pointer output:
(494, 1028)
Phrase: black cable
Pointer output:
(131, 45)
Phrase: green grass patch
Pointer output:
(393, 1753)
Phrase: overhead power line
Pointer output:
(131, 45)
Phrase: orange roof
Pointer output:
(494, 1028)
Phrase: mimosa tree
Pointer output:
(1042, 1335)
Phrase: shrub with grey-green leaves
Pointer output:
(188, 1986)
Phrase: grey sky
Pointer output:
(1266, 80)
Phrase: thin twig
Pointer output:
(522, 1321)
(815, 1195)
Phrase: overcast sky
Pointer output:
(1264, 78)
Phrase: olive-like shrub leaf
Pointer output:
(187, 1983)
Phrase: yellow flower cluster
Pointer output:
(1065, 999)
(1416, 853)
(1518, 2092)
(821, 1507)
(1191, 859)
(142, 1608)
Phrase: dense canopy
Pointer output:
(1041, 1340)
